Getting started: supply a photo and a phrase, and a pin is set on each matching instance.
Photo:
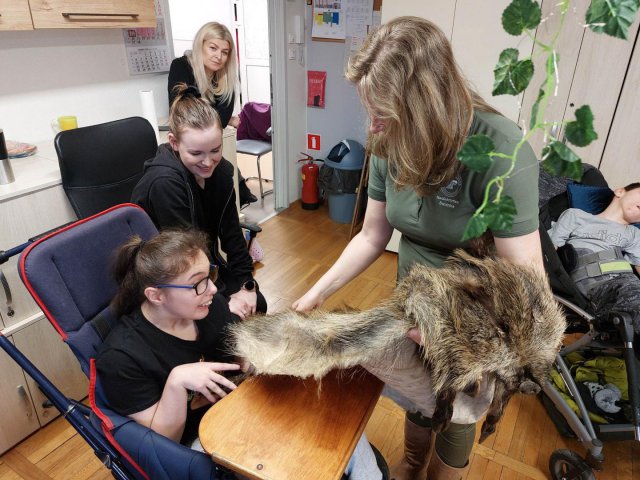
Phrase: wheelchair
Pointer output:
(67, 272)
(594, 333)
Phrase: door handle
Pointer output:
(7, 294)
(79, 14)
(22, 393)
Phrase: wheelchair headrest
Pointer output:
(68, 273)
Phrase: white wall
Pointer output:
(49, 73)
(187, 16)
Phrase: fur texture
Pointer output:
(483, 322)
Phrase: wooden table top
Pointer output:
(280, 427)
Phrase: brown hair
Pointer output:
(406, 71)
(224, 81)
(140, 264)
(632, 186)
(189, 110)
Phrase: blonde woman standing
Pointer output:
(211, 67)
(421, 110)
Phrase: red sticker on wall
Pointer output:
(313, 141)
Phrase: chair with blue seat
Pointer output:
(68, 273)
(254, 137)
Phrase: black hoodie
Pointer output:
(169, 194)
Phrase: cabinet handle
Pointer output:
(22, 393)
(78, 14)
(7, 294)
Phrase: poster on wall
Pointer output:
(329, 20)
(316, 82)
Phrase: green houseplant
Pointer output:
(512, 77)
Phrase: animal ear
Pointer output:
(472, 389)
(472, 287)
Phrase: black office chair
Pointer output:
(101, 164)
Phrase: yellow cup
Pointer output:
(64, 123)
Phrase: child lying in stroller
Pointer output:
(601, 251)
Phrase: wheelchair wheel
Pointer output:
(568, 465)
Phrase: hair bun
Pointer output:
(191, 91)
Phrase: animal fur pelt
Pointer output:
(487, 326)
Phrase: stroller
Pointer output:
(67, 273)
(610, 332)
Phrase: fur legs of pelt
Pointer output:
(483, 323)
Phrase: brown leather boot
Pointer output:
(417, 441)
(438, 470)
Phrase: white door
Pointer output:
(252, 27)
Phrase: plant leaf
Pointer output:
(580, 132)
(499, 215)
(476, 152)
(612, 17)
(521, 15)
(559, 160)
(511, 75)
(534, 109)
(476, 226)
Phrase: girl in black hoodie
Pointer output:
(188, 184)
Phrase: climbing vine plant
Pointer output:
(512, 76)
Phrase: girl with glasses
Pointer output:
(163, 365)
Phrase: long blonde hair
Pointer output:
(225, 80)
(406, 72)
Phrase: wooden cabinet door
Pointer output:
(46, 350)
(93, 13)
(15, 15)
(17, 415)
(23, 218)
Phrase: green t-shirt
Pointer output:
(432, 226)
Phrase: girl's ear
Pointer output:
(154, 295)
(618, 192)
(173, 141)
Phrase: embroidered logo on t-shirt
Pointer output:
(446, 194)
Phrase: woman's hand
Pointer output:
(234, 121)
(243, 303)
(308, 302)
(202, 377)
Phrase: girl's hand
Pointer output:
(202, 377)
(234, 121)
(243, 303)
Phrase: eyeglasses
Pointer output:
(199, 287)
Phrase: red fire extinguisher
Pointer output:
(309, 172)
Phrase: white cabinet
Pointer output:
(24, 217)
(23, 404)
(17, 416)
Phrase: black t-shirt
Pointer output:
(135, 360)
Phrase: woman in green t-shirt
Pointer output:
(421, 110)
